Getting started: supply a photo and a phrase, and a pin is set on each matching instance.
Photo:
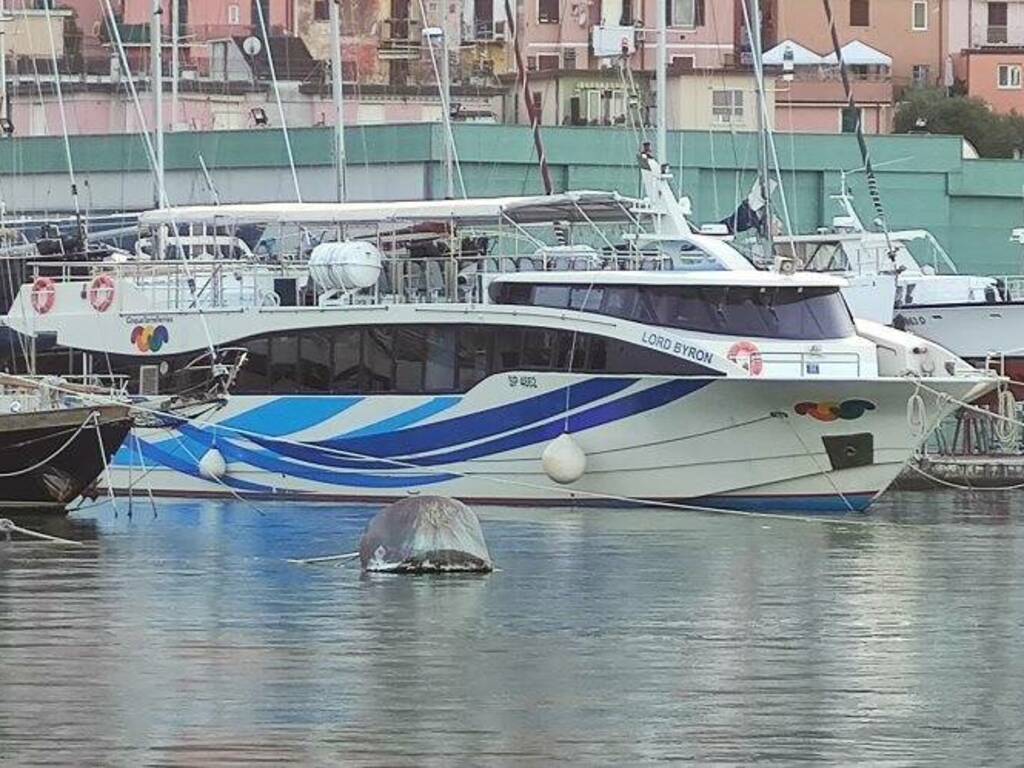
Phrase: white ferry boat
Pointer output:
(449, 347)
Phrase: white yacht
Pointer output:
(980, 319)
(507, 350)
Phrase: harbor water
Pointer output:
(183, 636)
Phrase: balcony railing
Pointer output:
(401, 35)
(997, 35)
(983, 34)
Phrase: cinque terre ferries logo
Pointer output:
(847, 410)
(149, 338)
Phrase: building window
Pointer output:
(685, 13)
(234, 14)
(321, 10)
(920, 16)
(547, 61)
(727, 106)
(547, 11)
(569, 58)
(998, 28)
(921, 76)
(603, 106)
(860, 13)
(851, 119)
(1009, 76)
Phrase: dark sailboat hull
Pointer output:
(48, 458)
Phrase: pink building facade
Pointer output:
(561, 34)
(990, 62)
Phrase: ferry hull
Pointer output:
(785, 445)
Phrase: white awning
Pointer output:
(802, 56)
(861, 54)
(536, 209)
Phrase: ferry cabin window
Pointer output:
(773, 312)
(347, 363)
(474, 352)
(435, 359)
(284, 364)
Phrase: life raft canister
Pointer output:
(44, 295)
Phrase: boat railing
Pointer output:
(798, 364)
(222, 283)
(1013, 286)
(52, 389)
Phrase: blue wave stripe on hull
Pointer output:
(158, 457)
(289, 414)
(480, 425)
(235, 452)
(639, 402)
(599, 415)
(406, 418)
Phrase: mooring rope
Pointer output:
(7, 527)
(43, 462)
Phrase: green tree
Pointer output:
(931, 110)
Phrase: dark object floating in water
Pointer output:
(425, 534)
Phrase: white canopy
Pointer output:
(537, 209)
(802, 56)
(857, 53)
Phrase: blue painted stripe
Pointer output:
(235, 452)
(479, 425)
(630, 405)
(406, 418)
(155, 457)
(289, 414)
(806, 503)
(639, 402)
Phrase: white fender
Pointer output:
(212, 466)
(563, 460)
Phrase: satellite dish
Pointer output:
(252, 46)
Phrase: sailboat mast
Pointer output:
(661, 81)
(4, 111)
(157, 84)
(763, 151)
(339, 99)
(175, 61)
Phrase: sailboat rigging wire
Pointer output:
(865, 153)
(277, 98)
(769, 136)
(63, 121)
(115, 32)
(35, 69)
(446, 107)
(531, 108)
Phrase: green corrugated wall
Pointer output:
(970, 205)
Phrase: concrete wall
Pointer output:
(970, 205)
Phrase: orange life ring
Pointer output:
(746, 355)
(44, 295)
(101, 292)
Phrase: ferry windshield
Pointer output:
(781, 312)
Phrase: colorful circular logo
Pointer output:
(830, 411)
(149, 338)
